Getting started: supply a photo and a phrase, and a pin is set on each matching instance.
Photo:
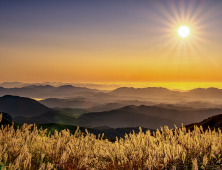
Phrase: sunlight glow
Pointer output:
(184, 31)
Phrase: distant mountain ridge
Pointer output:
(149, 91)
(68, 103)
(45, 91)
(164, 92)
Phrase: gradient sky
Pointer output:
(110, 41)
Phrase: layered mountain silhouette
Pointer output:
(143, 92)
(21, 106)
(185, 116)
(209, 93)
(46, 91)
(121, 118)
(30, 111)
(205, 93)
(68, 103)
(26, 110)
(118, 104)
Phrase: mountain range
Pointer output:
(113, 122)
(25, 110)
(198, 93)
(46, 91)
(68, 103)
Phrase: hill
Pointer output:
(183, 115)
(213, 122)
(21, 106)
(123, 118)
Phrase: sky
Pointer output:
(118, 41)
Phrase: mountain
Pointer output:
(211, 122)
(48, 117)
(175, 106)
(129, 116)
(159, 92)
(199, 104)
(106, 107)
(21, 106)
(147, 116)
(185, 116)
(120, 118)
(68, 103)
(117, 105)
(209, 93)
(46, 91)
(143, 92)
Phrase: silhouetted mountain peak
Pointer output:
(21, 106)
(67, 86)
(37, 86)
(10, 96)
(128, 108)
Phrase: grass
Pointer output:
(164, 149)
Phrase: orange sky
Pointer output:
(134, 42)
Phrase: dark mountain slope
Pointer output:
(21, 106)
(120, 118)
(184, 116)
(211, 122)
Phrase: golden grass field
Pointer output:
(165, 149)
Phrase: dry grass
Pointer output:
(166, 149)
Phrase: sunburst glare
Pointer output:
(184, 31)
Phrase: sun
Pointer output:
(184, 31)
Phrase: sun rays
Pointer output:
(189, 51)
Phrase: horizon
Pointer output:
(174, 86)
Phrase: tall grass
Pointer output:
(165, 149)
